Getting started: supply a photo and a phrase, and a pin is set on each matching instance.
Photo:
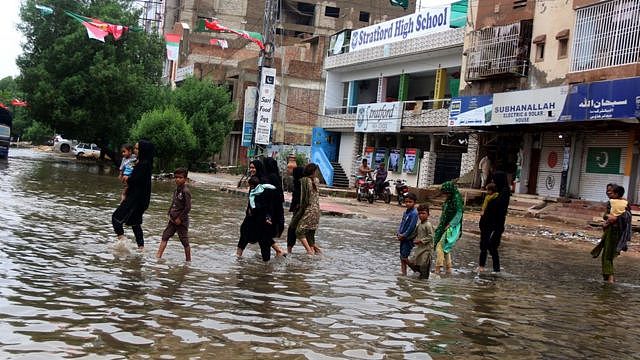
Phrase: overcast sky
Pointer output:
(10, 37)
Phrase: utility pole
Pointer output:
(266, 82)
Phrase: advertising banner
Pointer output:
(428, 21)
(184, 72)
(615, 99)
(250, 96)
(381, 154)
(471, 110)
(368, 154)
(394, 160)
(265, 106)
(379, 117)
(529, 106)
(410, 165)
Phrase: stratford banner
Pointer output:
(470, 110)
(428, 21)
(379, 117)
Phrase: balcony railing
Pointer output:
(499, 51)
(415, 113)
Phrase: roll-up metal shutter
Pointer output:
(550, 168)
(601, 151)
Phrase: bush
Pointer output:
(169, 132)
(38, 133)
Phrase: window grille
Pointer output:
(499, 51)
(606, 34)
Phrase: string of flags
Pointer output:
(96, 28)
(254, 37)
(14, 102)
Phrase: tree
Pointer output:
(168, 130)
(81, 87)
(208, 109)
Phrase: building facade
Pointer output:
(387, 93)
(551, 90)
(302, 31)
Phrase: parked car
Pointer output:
(86, 150)
(61, 144)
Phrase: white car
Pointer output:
(62, 145)
(86, 150)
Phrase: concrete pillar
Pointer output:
(468, 161)
(382, 89)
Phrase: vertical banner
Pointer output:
(250, 96)
(381, 154)
(265, 106)
(368, 154)
(173, 46)
(410, 161)
(394, 160)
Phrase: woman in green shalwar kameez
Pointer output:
(450, 226)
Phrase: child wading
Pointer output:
(406, 231)
(420, 257)
(178, 215)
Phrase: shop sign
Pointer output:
(429, 21)
(249, 111)
(265, 106)
(529, 106)
(470, 110)
(615, 99)
(184, 72)
(604, 160)
(379, 117)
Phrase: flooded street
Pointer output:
(63, 294)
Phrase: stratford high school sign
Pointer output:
(428, 21)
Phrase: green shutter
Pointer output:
(604, 160)
(403, 3)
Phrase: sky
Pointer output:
(10, 38)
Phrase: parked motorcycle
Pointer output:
(365, 188)
(384, 194)
(402, 190)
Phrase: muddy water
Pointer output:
(63, 294)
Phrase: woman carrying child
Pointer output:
(492, 219)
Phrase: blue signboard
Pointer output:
(602, 100)
(247, 133)
(471, 110)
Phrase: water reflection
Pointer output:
(64, 294)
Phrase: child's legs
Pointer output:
(439, 256)
(403, 266)
(183, 235)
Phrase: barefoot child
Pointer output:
(406, 230)
(178, 215)
(420, 257)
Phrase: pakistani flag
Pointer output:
(173, 46)
(403, 3)
(604, 160)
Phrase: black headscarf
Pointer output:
(260, 173)
(297, 173)
(496, 211)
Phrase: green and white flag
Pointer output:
(604, 160)
(403, 3)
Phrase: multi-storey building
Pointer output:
(387, 95)
(552, 93)
(301, 32)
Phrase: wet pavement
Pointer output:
(64, 294)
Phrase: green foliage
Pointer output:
(79, 86)
(168, 130)
(301, 159)
(37, 133)
(208, 110)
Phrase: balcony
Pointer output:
(499, 51)
(415, 114)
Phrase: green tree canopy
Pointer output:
(208, 109)
(172, 137)
(81, 87)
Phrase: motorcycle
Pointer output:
(365, 188)
(402, 190)
(384, 192)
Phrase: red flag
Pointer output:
(19, 103)
(3, 106)
(251, 36)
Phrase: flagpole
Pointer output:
(264, 60)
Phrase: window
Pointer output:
(539, 51)
(606, 34)
(331, 11)
(364, 16)
(517, 4)
(563, 48)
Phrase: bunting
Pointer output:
(18, 103)
(251, 36)
(222, 43)
(98, 29)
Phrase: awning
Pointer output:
(540, 39)
(563, 34)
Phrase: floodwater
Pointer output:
(63, 293)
